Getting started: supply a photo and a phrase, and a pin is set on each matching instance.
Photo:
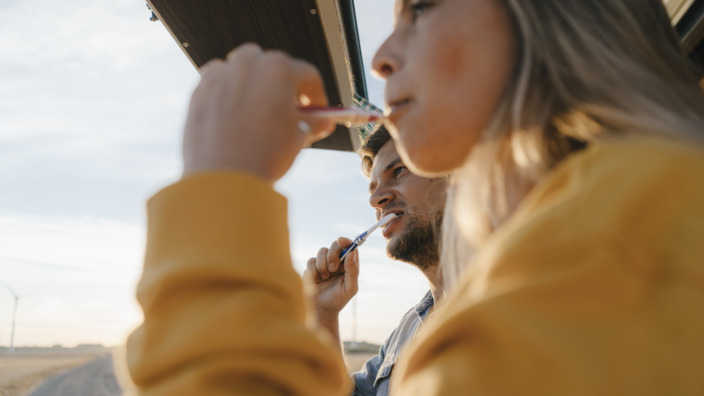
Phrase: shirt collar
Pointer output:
(425, 304)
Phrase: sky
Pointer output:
(92, 103)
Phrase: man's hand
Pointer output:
(244, 113)
(334, 283)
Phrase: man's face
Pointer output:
(418, 202)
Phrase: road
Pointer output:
(96, 378)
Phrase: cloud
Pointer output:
(85, 36)
(75, 276)
(86, 243)
(78, 89)
(93, 101)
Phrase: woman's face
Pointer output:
(446, 64)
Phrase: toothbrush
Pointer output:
(363, 236)
(343, 115)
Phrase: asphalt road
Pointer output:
(95, 378)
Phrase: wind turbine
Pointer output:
(14, 316)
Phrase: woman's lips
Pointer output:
(395, 109)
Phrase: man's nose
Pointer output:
(380, 198)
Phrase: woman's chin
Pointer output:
(427, 154)
(424, 162)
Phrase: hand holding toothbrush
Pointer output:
(361, 238)
(255, 111)
(331, 284)
(332, 277)
(335, 281)
(244, 114)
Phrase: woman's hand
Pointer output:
(244, 115)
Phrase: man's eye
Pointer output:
(399, 170)
(417, 9)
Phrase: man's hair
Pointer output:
(371, 146)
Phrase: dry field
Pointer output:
(355, 360)
(21, 373)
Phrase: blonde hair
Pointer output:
(586, 70)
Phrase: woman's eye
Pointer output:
(417, 9)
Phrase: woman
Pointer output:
(572, 135)
(574, 129)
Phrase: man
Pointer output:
(413, 236)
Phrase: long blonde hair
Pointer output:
(586, 70)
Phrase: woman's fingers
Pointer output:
(245, 50)
(244, 113)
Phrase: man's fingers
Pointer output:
(311, 272)
(334, 254)
(344, 242)
(333, 258)
(351, 282)
(352, 263)
(321, 264)
(351, 266)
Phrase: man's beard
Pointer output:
(419, 245)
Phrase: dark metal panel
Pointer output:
(356, 63)
(207, 29)
(691, 30)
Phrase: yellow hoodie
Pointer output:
(594, 286)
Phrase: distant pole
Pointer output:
(354, 321)
(14, 316)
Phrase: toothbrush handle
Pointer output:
(355, 244)
(348, 249)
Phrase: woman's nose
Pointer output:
(385, 62)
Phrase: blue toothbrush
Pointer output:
(363, 236)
